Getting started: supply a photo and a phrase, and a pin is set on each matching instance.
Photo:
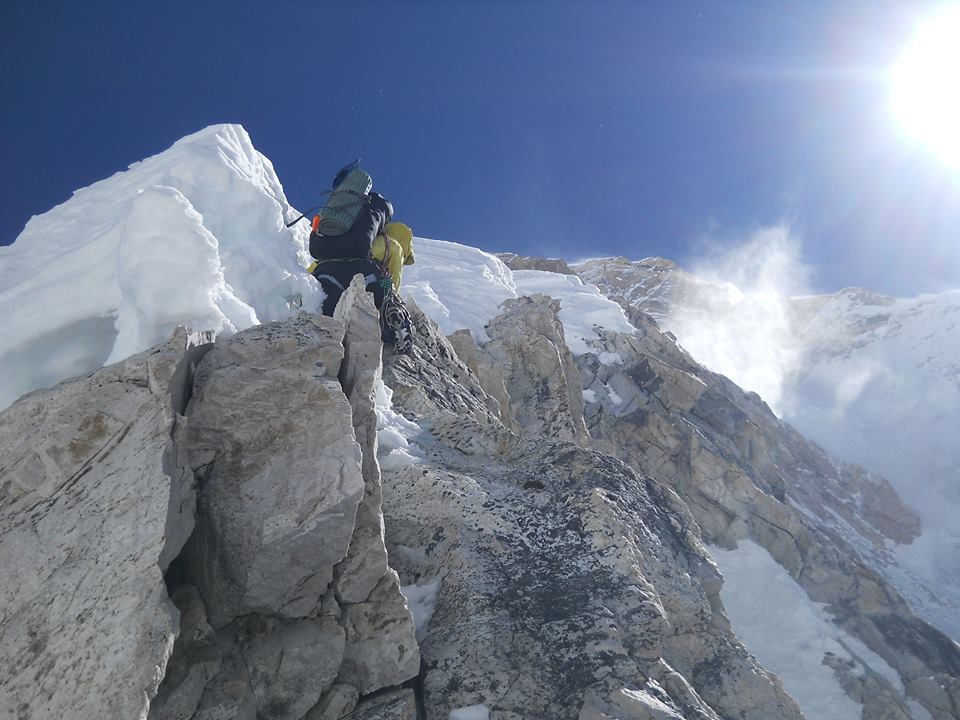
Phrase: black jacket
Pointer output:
(357, 241)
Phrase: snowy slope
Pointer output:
(791, 635)
(194, 235)
(879, 385)
(462, 287)
(871, 362)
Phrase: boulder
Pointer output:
(381, 645)
(271, 441)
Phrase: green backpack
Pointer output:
(345, 203)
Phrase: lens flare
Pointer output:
(926, 85)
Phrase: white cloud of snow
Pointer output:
(742, 325)
(874, 380)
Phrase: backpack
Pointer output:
(350, 202)
(345, 203)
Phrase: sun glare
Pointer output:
(926, 85)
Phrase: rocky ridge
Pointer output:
(196, 533)
(557, 510)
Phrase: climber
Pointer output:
(353, 234)
(343, 235)
(393, 248)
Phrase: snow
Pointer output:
(612, 395)
(461, 287)
(396, 436)
(422, 600)
(582, 307)
(790, 635)
(473, 712)
(589, 396)
(193, 236)
(457, 286)
(610, 358)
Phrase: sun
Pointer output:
(926, 85)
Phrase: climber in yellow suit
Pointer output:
(393, 248)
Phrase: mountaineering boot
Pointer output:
(395, 325)
(403, 344)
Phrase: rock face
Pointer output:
(528, 368)
(253, 441)
(844, 369)
(554, 557)
(95, 500)
(241, 477)
(288, 554)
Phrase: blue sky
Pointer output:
(547, 128)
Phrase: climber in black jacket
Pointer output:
(343, 235)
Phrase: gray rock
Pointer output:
(381, 647)
(436, 377)
(272, 441)
(366, 562)
(521, 262)
(290, 664)
(556, 558)
(866, 688)
(195, 661)
(390, 705)
(339, 702)
(88, 481)
(228, 696)
(490, 377)
(542, 383)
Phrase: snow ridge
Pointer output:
(195, 235)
